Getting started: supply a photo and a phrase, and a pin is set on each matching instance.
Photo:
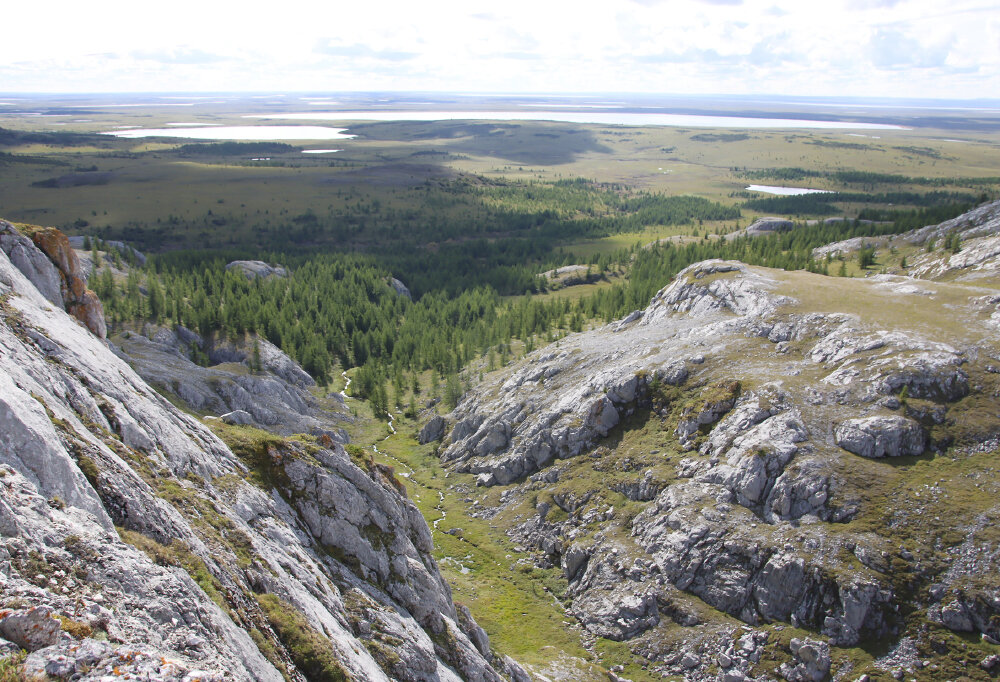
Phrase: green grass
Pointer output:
(517, 605)
(310, 651)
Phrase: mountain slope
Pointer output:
(264, 559)
(774, 457)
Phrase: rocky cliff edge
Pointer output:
(135, 540)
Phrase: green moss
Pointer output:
(75, 627)
(310, 651)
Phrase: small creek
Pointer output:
(406, 471)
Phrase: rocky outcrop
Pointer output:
(77, 242)
(167, 554)
(399, 288)
(570, 275)
(257, 268)
(61, 281)
(976, 258)
(730, 420)
(433, 430)
(273, 394)
(881, 436)
(769, 225)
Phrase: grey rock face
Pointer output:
(52, 266)
(34, 264)
(768, 225)
(95, 465)
(257, 268)
(749, 477)
(399, 288)
(31, 629)
(881, 436)
(432, 430)
(276, 398)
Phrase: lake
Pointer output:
(787, 191)
(239, 133)
(595, 117)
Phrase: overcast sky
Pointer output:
(898, 48)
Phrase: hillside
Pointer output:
(764, 474)
(137, 542)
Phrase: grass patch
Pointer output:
(310, 651)
(516, 604)
(12, 667)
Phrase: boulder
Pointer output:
(881, 436)
(812, 661)
(400, 288)
(432, 430)
(257, 268)
(768, 225)
(238, 417)
(30, 629)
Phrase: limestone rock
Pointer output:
(768, 225)
(399, 288)
(881, 436)
(276, 397)
(238, 417)
(617, 615)
(812, 661)
(432, 430)
(104, 491)
(125, 249)
(65, 284)
(34, 264)
(30, 629)
(257, 268)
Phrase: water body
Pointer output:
(321, 151)
(239, 133)
(596, 117)
(787, 191)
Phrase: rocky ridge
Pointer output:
(165, 553)
(275, 395)
(731, 443)
(977, 259)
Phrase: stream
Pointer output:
(406, 471)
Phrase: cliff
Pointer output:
(134, 539)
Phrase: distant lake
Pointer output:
(239, 133)
(597, 117)
(787, 191)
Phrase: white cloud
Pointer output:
(847, 47)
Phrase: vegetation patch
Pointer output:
(310, 651)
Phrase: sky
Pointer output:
(948, 49)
